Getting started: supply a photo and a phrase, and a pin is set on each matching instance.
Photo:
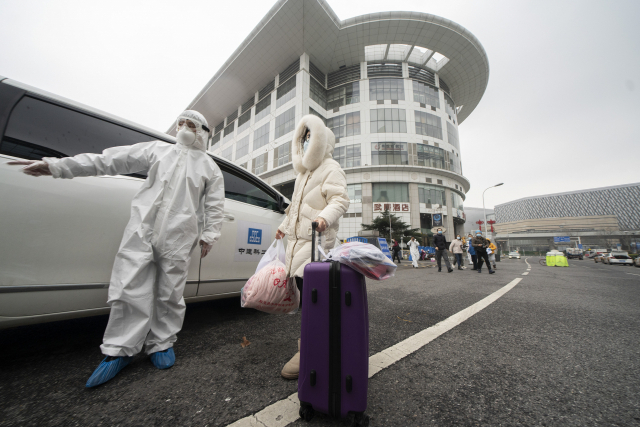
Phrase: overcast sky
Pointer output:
(561, 112)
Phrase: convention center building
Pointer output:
(393, 87)
(606, 217)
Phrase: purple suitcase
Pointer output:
(334, 348)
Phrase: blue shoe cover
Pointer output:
(163, 359)
(107, 370)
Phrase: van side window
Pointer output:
(238, 188)
(39, 129)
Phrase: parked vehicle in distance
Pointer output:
(599, 257)
(636, 261)
(59, 238)
(619, 258)
(572, 253)
(514, 254)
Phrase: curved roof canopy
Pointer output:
(293, 27)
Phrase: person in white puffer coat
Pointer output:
(320, 195)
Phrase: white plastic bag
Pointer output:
(269, 289)
(363, 257)
(489, 251)
(276, 252)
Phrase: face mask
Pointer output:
(186, 137)
(479, 235)
(305, 145)
(459, 238)
(439, 232)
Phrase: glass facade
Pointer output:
(452, 135)
(345, 125)
(388, 120)
(431, 195)
(227, 153)
(261, 136)
(389, 153)
(242, 147)
(285, 122)
(457, 201)
(432, 157)
(286, 92)
(263, 108)
(318, 93)
(348, 156)
(390, 192)
(355, 193)
(428, 124)
(343, 95)
(450, 107)
(282, 154)
(381, 89)
(426, 94)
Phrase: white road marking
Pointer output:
(525, 260)
(525, 273)
(285, 411)
(634, 274)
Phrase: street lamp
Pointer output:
(483, 209)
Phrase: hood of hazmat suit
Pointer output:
(180, 203)
(320, 191)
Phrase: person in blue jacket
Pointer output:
(472, 253)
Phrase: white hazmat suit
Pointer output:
(413, 248)
(181, 201)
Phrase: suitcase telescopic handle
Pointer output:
(314, 225)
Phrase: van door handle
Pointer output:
(229, 217)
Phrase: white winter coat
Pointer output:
(320, 191)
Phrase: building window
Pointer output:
(348, 156)
(345, 125)
(428, 124)
(285, 122)
(286, 92)
(261, 136)
(450, 106)
(432, 157)
(384, 192)
(260, 164)
(244, 121)
(426, 94)
(388, 120)
(263, 108)
(215, 139)
(355, 193)
(315, 113)
(318, 93)
(380, 89)
(452, 135)
(227, 153)
(282, 155)
(389, 153)
(431, 195)
(228, 132)
(242, 147)
(456, 201)
(244, 165)
(343, 95)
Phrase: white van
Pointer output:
(58, 238)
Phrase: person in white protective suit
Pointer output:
(413, 249)
(180, 203)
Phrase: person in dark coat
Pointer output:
(480, 244)
(440, 243)
(396, 251)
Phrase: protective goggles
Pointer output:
(193, 126)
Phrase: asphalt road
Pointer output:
(561, 348)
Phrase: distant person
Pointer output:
(472, 254)
(480, 245)
(396, 251)
(456, 249)
(440, 243)
(492, 255)
(413, 249)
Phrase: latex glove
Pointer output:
(205, 248)
(322, 224)
(33, 167)
(279, 235)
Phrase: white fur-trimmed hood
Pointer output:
(321, 146)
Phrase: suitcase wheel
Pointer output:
(306, 412)
(360, 420)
